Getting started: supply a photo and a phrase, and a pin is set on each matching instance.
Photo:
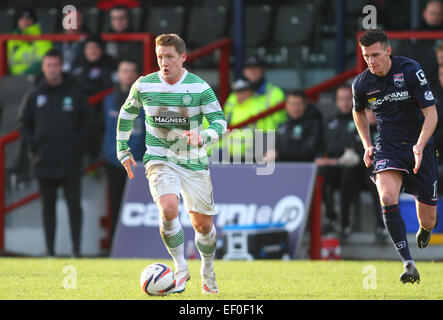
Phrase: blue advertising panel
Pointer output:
(241, 196)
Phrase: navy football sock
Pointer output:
(397, 230)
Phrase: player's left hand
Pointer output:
(194, 137)
(418, 155)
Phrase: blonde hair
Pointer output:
(171, 39)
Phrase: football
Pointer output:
(157, 279)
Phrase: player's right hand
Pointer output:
(367, 158)
(128, 166)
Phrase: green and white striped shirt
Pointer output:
(170, 109)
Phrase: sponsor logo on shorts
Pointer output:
(381, 164)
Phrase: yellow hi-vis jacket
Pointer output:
(242, 139)
(24, 57)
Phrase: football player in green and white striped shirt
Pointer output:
(175, 102)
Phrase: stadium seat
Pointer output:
(7, 20)
(257, 33)
(136, 19)
(48, 19)
(93, 19)
(165, 20)
(205, 25)
(294, 24)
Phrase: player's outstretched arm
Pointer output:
(429, 125)
(362, 125)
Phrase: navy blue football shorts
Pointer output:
(423, 185)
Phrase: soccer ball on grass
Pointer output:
(157, 279)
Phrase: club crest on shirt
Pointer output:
(41, 100)
(399, 80)
(187, 99)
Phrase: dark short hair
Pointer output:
(120, 7)
(95, 38)
(297, 93)
(373, 36)
(344, 86)
(128, 60)
(53, 53)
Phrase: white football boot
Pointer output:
(209, 284)
(181, 277)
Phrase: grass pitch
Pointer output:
(109, 279)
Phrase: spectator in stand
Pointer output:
(24, 57)
(266, 94)
(340, 161)
(423, 50)
(301, 136)
(55, 122)
(432, 16)
(93, 71)
(72, 49)
(239, 107)
(115, 173)
(120, 22)
(439, 53)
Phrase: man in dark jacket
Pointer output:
(93, 70)
(55, 122)
(300, 137)
(340, 161)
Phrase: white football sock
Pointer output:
(206, 245)
(174, 238)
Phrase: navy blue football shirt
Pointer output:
(396, 99)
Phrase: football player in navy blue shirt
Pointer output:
(403, 156)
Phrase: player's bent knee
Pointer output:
(204, 228)
(388, 199)
(428, 223)
(168, 212)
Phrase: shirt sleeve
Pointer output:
(359, 103)
(128, 112)
(418, 86)
(212, 111)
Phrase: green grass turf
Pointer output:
(41, 278)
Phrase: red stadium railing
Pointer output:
(312, 94)
(147, 40)
(224, 45)
(395, 35)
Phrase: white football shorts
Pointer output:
(194, 186)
